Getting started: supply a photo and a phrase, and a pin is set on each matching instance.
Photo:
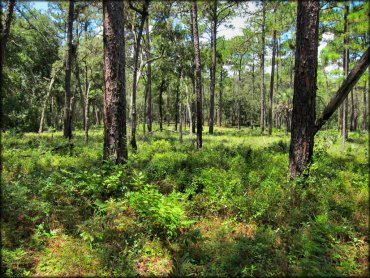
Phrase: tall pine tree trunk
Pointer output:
(161, 89)
(133, 123)
(198, 76)
(262, 71)
(189, 110)
(272, 81)
(345, 73)
(213, 67)
(220, 97)
(115, 142)
(67, 130)
(305, 76)
(149, 80)
(87, 105)
(364, 106)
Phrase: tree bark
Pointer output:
(262, 71)
(149, 80)
(161, 89)
(220, 98)
(52, 80)
(198, 76)
(352, 114)
(5, 31)
(345, 73)
(67, 130)
(168, 114)
(272, 80)
(189, 110)
(87, 105)
(305, 76)
(344, 89)
(193, 102)
(364, 112)
(144, 14)
(213, 67)
(180, 107)
(115, 142)
(177, 109)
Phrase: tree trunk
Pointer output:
(67, 130)
(161, 105)
(277, 45)
(262, 71)
(305, 76)
(220, 98)
(45, 102)
(352, 114)
(345, 73)
(180, 107)
(213, 67)
(5, 31)
(193, 103)
(189, 110)
(272, 80)
(115, 142)
(344, 89)
(355, 110)
(198, 76)
(177, 109)
(149, 80)
(144, 14)
(168, 114)
(364, 112)
(87, 104)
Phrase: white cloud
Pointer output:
(238, 23)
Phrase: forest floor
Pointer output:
(227, 209)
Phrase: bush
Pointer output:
(161, 213)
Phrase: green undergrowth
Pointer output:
(228, 209)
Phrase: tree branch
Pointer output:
(344, 89)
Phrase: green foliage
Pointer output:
(227, 209)
(161, 213)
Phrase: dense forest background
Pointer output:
(177, 138)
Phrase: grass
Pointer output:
(227, 209)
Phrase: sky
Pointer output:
(41, 5)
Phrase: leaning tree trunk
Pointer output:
(262, 71)
(305, 76)
(115, 142)
(272, 81)
(67, 130)
(213, 68)
(198, 76)
(344, 89)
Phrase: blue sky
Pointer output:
(41, 5)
